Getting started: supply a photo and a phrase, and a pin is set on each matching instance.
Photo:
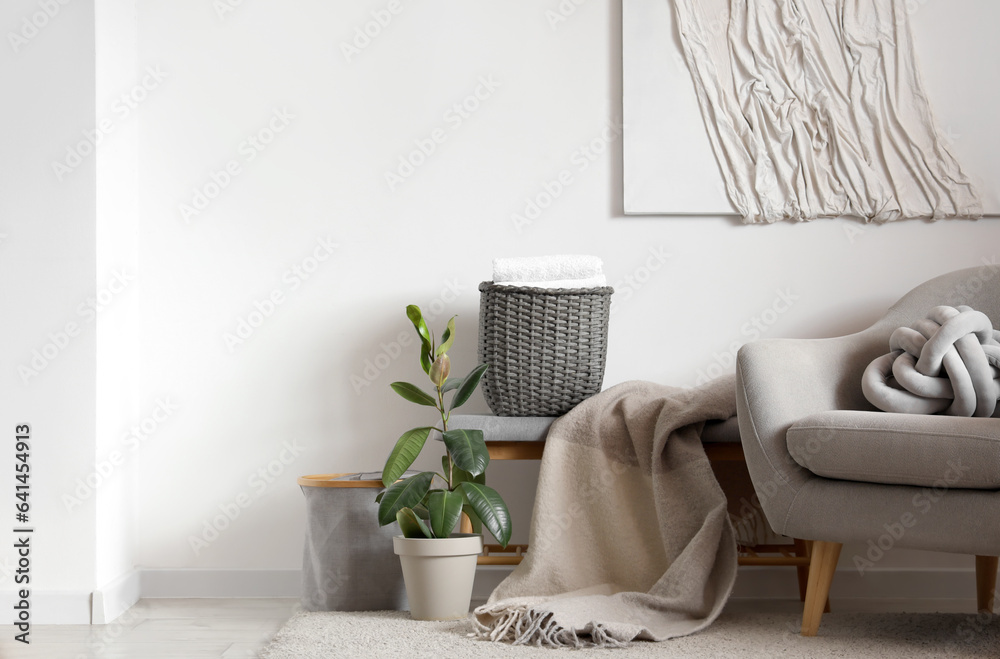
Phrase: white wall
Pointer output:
(324, 176)
(213, 418)
(47, 264)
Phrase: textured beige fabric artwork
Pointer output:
(816, 109)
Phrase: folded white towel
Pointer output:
(588, 282)
(546, 268)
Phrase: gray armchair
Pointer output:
(829, 467)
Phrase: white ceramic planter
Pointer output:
(439, 573)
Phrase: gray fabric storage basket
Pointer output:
(348, 563)
(546, 347)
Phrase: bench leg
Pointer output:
(986, 582)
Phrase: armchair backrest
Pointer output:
(977, 287)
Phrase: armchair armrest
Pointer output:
(778, 382)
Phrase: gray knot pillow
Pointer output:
(947, 363)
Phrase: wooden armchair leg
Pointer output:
(804, 548)
(986, 582)
(822, 567)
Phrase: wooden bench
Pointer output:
(523, 438)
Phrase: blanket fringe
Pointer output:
(521, 625)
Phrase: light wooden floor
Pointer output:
(160, 628)
(230, 628)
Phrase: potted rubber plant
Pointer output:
(438, 564)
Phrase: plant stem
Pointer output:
(444, 426)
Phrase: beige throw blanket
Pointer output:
(630, 537)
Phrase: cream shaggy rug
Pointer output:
(391, 634)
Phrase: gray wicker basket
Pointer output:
(546, 347)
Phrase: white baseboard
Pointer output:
(116, 597)
(751, 583)
(53, 607)
(880, 584)
(107, 603)
(782, 583)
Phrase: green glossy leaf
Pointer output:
(407, 449)
(411, 525)
(477, 524)
(403, 494)
(414, 394)
(490, 507)
(452, 383)
(461, 476)
(417, 318)
(422, 511)
(447, 338)
(446, 509)
(469, 385)
(378, 497)
(425, 359)
(423, 503)
(468, 449)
